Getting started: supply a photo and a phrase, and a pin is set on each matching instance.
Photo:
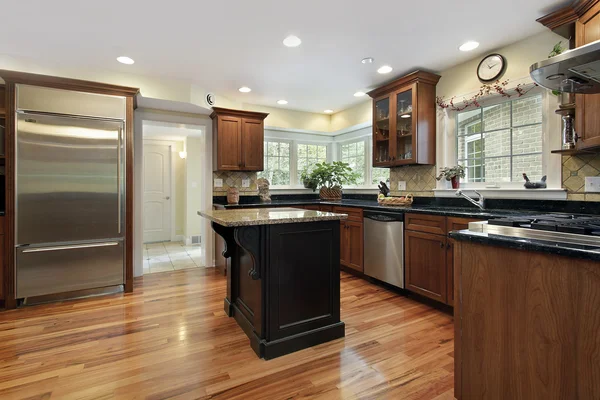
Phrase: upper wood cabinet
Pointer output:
(579, 22)
(404, 121)
(238, 140)
(587, 118)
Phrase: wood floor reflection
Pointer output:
(171, 339)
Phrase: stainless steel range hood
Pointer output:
(574, 71)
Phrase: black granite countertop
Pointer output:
(450, 211)
(561, 249)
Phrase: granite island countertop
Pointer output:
(268, 216)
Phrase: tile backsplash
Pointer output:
(234, 179)
(420, 180)
(574, 171)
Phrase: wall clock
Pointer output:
(491, 68)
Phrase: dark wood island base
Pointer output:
(283, 284)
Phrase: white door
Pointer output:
(157, 193)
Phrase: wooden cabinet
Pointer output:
(425, 259)
(587, 119)
(351, 238)
(404, 121)
(429, 255)
(238, 140)
(579, 23)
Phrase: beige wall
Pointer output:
(291, 119)
(462, 79)
(352, 116)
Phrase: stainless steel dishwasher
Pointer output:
(384, 246)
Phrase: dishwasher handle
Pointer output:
(384, 216)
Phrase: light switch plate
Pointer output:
(401, 185)
(592, 184)
(246, 183)
(218, 182)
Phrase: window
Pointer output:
(358, 156)
(498, 143)
(277, 163)
(308, 155)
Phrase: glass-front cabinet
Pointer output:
(404, 121)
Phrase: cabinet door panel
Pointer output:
(229, 142)
(450, 271)
(587, 121)
(2, 266)
(425, 263)
(252, 144)
(343, 244)
(355, 245)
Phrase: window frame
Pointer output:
(546, 125)
(368, 171)
(294, 184)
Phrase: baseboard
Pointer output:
(179, 238)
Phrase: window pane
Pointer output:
(527, 111)
(380, 175)
(284, 149)
(345, 151)
(531, 165)
(273, 148)
(466, 146)
(360, 147)
(497, 143)
(322, 153)
(527, 140)
(497, 169)
(468, 118)
(302, 150)
(496, 117)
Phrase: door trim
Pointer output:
(172, 193)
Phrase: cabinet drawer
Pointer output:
(326, 208)
(457, 224)
(354, 214)
(425, 223)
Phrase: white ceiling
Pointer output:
(222, 45)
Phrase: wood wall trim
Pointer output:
(9, 216)
(129, 200)
(414, 77)
(237, 113)
(562, 21)
(68, 84)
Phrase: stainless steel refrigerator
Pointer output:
(69, 203)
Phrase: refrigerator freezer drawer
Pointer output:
(66, 268)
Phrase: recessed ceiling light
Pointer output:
(368, 60)
(292, 41)
(245, 89)
(386, 69)
(359, 94)
(328, 111)
(125, 60)
(282, 102)
(468, 46)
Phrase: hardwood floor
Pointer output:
(171, 339)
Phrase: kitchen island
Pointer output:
(283, 280)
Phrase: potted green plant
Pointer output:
(452, 174)
(308, 182)
(329, 178)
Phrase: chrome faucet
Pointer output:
(479, 203)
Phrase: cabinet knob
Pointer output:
(442, 245)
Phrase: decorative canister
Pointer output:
(568, 132)
(233, 195)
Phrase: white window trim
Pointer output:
(551, 163)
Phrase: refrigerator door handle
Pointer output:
(119, 205)
(70, 247)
